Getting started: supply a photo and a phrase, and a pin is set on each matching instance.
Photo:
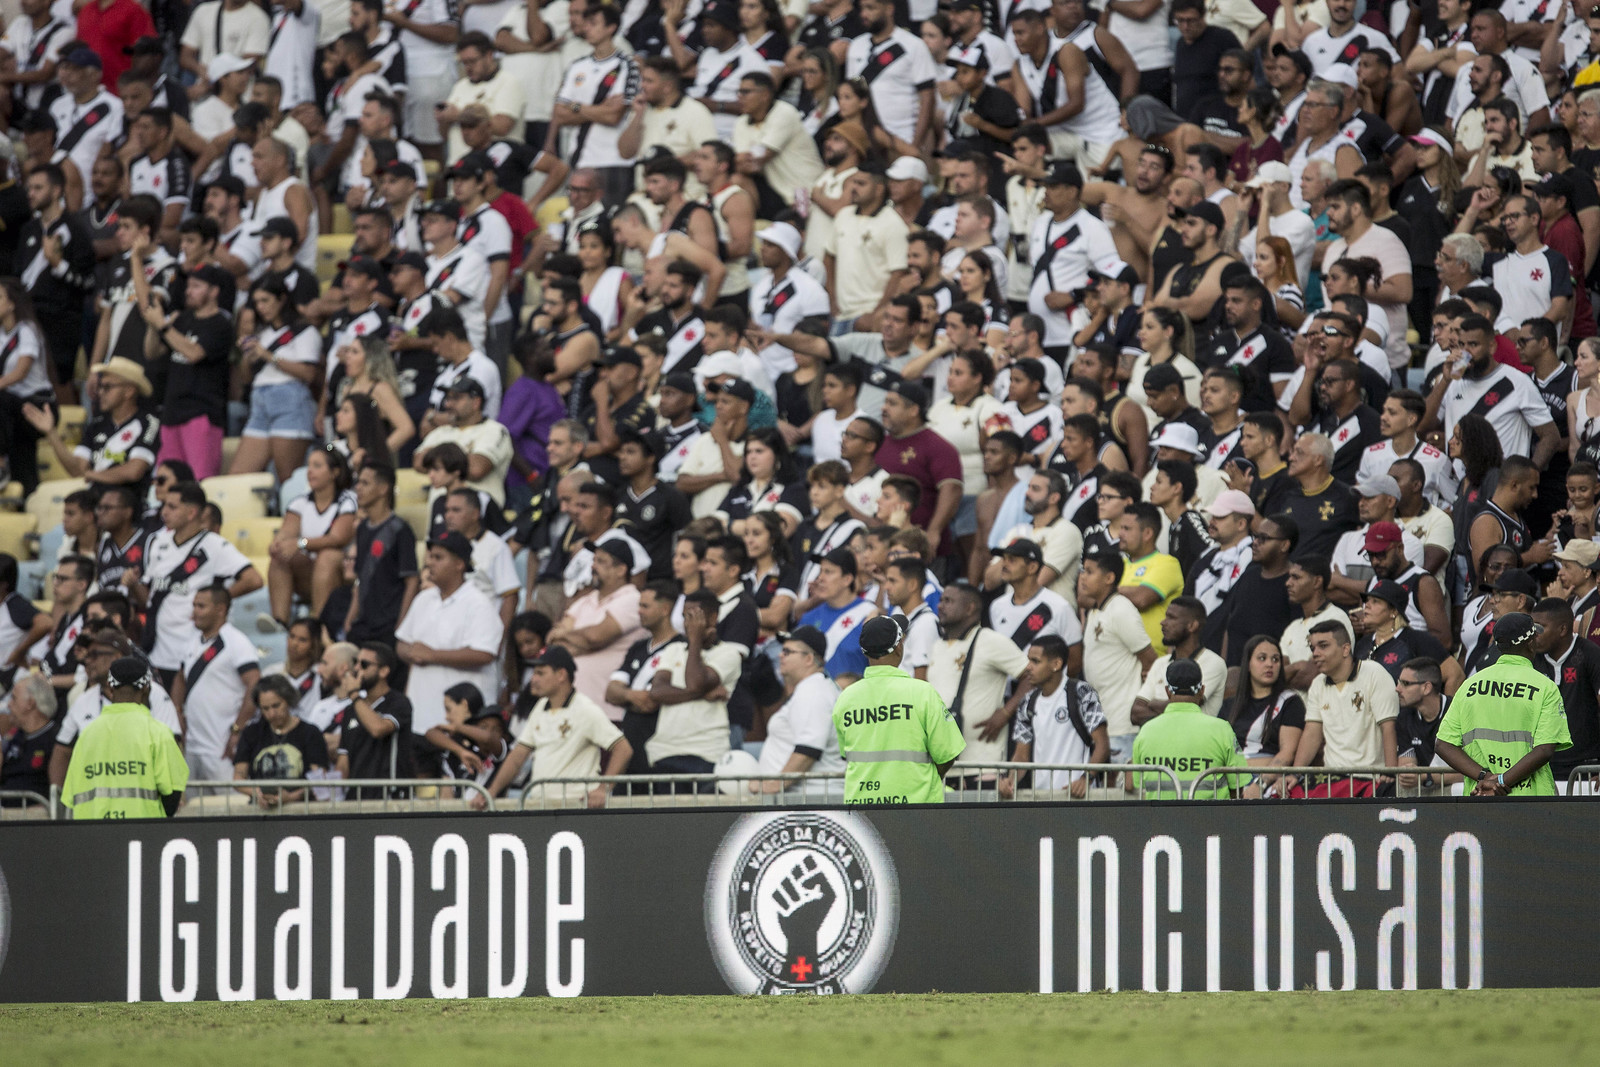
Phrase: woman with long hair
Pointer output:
(601, 623)
(285, 356)
(767, 483)
(1266, 714)
(1257, 115)
(962, 418)
(1477, 446)
(378, 154)
(819, 81)
(358, 430)
(606, 287)
(1358, 276)
(975, 279)
(762, 30)
(24, 379)
(771, 577)
(1165, 336)
(369, 371)
(302, 652)
(470, 735)
(1583, 405)
(308, 553)
(1274, 265)
(936, 33)
(855, 105)
(799, 394)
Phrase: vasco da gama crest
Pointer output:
(802, 902)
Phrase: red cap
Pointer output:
(1382, 536)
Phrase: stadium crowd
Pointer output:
(1089, 341)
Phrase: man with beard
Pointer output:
(56, 261)
(899, 73)
(1065, 244)
(1136, 213)
(1258, 603)
(1503, 395)
(1193, 287)
(1247, 343)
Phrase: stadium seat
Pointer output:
(410, 487)
(230, 445)
(550, 211)
(253, 537)
(416, 517)
(31, 580)
(240, 496)
(14, 530)
(332, 249)
(342, 222)
(71, 423)
(49, 500)
(293, 487)
(50, 468)
(48, 544)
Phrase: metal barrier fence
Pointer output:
(1582, 781)
(966, 783)
(328, 796)
(1295, 783)
(18, 804)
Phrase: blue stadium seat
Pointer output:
(294, 486)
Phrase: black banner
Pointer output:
(1451, 894)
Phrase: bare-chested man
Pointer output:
(1136, 213)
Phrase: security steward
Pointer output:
(126, 765)
(1184, 739)
(897, 737)
(1507, 721)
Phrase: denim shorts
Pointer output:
(282, 410)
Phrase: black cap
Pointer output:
(212, 274)
(1206, 211)
(1391, 593)
(281, 226)
(974, 57)
(1301, 61)
(1023, 548)
(556, 658)
(450, 209)
(1555, 185)
(842, 558)
(1126, 274)
(912, 392)
(1161, 376)
(471, 165)
(812, 638)
(130, 672)
(1184, 677)
(145, 46)
(468, 385)
(682, 381)
(1513, 629)
(454, 542)
(619, 550)
(397, 169)
(364, 265)
(1513, 580)
(411, 259)
(966, 5)
(616, 354)
(881, 635)
(723, 12)
(740, 389)
(1063, 172)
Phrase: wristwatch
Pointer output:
(1482, 776)
(301, 543)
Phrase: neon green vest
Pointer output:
(122, 764)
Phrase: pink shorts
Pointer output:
(197, 442)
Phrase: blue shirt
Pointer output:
(842, 628)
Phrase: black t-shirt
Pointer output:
(1419, 204)
(385, 557)
(995, 106)
(1284, 709)
(1214, 114)
(742, 499)
(1168, 254)
(1351, 437)
(741, 626)
(200, 389)
(1414, 735)
(289, 755)
(1255, 605)
(383, 757)
(794, 404)
(512, 162)
(1404, 646)
(819, 32)
(1194, 69)
(654, 520)
(1262, 353)
(1187, 540)
(14, 211)
(1374, 138)
(1323, 517)
(1579, 681)
(25, 759)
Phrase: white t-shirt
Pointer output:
(174, 573)
(568, 741)
(1045, 722)
(214, 688)
(805, 722)
(487, 233)
(290, 345)
(1325, 50)
(696, 727)
(1381, 244)
(1516, 409)
(464, 271)
(425, 57)
(909, 68)
(314, 523)
(1350, 714)
(996, 661)
(590, 81)
(1043, 614)
(1213, 673)
(1113, 637)
(464, 620)
(88, 706)
(493, 571)
(293, 51)
(1147, 40)
(245, 31)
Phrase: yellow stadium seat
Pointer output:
(261, 563)
(14, 531)
(50, 468)
(416, 517)
(253, 537)
(11, 496)
(342, 222)
(332, 249)
(71, 423)
(550, 211)
(410, 487)
(240, 496)
(431, 169)
(230, 445)
(49, 500)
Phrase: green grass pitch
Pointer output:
(1150, 1030)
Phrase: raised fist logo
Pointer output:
(804, 898)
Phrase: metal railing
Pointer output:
(1295, 783)
(19, 804)
(331, 796)
(1583, 780)
(1004, 782)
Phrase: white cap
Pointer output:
(1230, 502)
(1178, 435)
(225, 63)
(1341, 74)
(716, 365)
(907, 168)
(784, 236)
(1269, 172)
(1433, 137)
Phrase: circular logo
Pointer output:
(648, 513)
(802, 902)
